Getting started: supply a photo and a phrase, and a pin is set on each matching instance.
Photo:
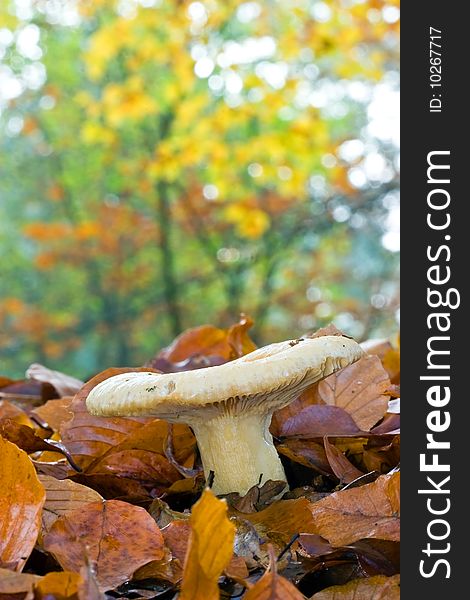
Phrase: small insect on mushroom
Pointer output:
(230, 406)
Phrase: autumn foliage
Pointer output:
(95, 507)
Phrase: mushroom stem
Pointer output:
(239, 450)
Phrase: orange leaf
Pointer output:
(210, 548)
(58, 585)
(286, 517)
(378, 587)
(369, 511)
(272, 586)
(21, 500)
(117, 536)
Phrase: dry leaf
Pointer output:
(272, 586)
(286, 517)
(378, 587)
(60, 585)
(55, 412)
(359, 390)
(314, 420)
(210, 548)
(62, 497)
(65, 385)
(307, 453)
(205, 346)
(369, 511)
(117, 536)
(21, 501)
(344, 470)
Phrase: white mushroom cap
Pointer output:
(262, 381)
(229, 406)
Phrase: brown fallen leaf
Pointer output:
(62, 497)
(257, 497)
(315, 420)
(26, 439)
(21, 500)
(55, 412)
(209, 550)
(10, 411)
(272, 586)
(307, 453)
(378, 587)
(344, 470)
(359, 390)
(369, 511)
(65, 385)
(61, 585)
(285, 517)
(88, 437)
(100, 532)
(205, 346)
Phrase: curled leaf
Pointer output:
(378, 587)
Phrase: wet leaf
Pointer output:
(369, 511)
(210, 548)
(272, 586)
(21, 500)
(100, 532)
(379, 587)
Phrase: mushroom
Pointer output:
(229, 406)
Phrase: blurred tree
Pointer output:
(177, 162)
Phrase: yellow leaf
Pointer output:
(210, 548)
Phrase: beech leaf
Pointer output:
(369, 511)
(117, 536)
(209, 550)
(21, 500)
(378, 587)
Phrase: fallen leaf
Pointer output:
(272, 586)
(308, 453)
(378, 587)
(209, 550)
(286, 517)
(257, 497)
(62, 497)
(26, 439)
(21, 500)
(316, 420)
(8, 410)
(60, 585)
(100, 532)
(369, 511)
(344, 470)
(205, 346)
(55, 412)
(358, 389)
(65, 385)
